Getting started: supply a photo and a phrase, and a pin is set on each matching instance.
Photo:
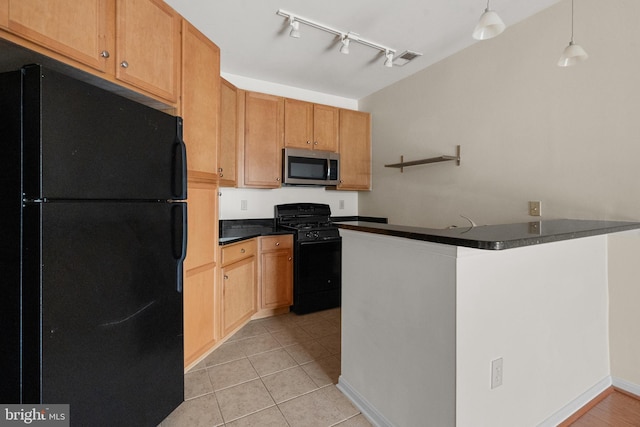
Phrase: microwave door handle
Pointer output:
(328, 168)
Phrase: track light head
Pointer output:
(389, 61)
(345, 44)
(295, 28)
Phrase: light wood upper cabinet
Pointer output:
(229, 132)
(263, 140)
(200, 104)
(80, 30)
(325, 127)
(311, 126)
(355, 150)
(148, 46)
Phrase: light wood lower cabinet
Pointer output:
(199, 300)
(199, 322)
(238, 285)
(276, 271)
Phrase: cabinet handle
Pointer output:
(277, 243)
(219, 169)
(124, 64)
(242, 251)
(308, 142)
(278, 179)
(289, 258)
(104, 54)
(315, 143)
(221, 174)
(226, 277)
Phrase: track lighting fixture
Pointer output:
(346, 38)
(573, 53)
(389, 61)
(345, 44)
(489, 25)
(295, 27)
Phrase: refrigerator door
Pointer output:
(10, 206)
(82, 142)
(109, 327)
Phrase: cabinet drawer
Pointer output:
(238, 251)
(282, 241)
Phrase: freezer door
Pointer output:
(82, 142)
(109, 326)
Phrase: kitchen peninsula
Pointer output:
(426, 313)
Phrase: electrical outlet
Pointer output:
(243, 205)
(535, 208)
(496, 373)
(341, 204)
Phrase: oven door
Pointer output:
(318, 282)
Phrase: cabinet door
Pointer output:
(277, 278)
(355, 150)
(238, 293)
(80, 30)
(202, 216)
(228, 135)
(325, 127)
(276, 271)
(199, 323)
(200, 326)
(298, 124)
(200, 99)
(148, 46)
(263, 140)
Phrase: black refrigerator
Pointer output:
(93, 236)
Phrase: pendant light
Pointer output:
(573, 53)
(489, 25)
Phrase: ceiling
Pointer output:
(255, 42)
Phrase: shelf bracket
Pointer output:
(439, 159)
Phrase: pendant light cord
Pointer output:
(571, 21)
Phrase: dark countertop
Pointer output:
(232, 231)
(237, 230)
(498, 237)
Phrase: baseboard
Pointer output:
(626, 386)
(576, 404)
(371, 413)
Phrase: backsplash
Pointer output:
(246, 203)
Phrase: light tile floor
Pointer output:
(278, 371)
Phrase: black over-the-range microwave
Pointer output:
(310, 167)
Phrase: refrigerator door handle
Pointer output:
(179, 239)
(179, 164)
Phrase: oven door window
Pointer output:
(307, 168)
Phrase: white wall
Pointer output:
(529, 130)
(423, 321)
(624, 293)
(543, 309)
(260, 202)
